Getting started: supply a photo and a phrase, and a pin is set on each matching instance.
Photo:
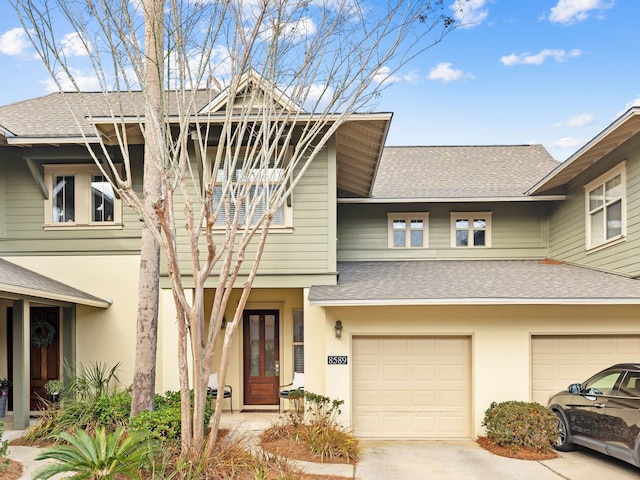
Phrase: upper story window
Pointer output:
(408, 230)
(80, 196)
(605, 207)
(249, 185)
(471, 229)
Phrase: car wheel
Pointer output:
(562, 444)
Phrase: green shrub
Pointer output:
(112, 411)
(4, 445)
(165, 421)
(521, 425)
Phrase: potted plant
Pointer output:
(54, 389)
(5, 385)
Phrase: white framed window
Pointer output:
(260, 181)
(80, 197)
(298, 340)
(605, 208)
(471, 229)
(408, 229)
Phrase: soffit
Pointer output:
(359, 145)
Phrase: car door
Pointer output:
(623, 416)
(587, 413)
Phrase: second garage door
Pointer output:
(412, 387)
(557, 361)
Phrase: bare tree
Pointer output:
(242, 100)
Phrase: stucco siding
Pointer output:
(567, 229)
(517, 231)
(496, 332)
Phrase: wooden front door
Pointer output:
(45, 351)
(261, 357)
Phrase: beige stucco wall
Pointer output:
(500, 342)
(283, 300)
(102, 335)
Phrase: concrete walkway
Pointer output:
(414, 460)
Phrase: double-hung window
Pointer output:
(251, 189)
(605, 208)
(471, 229)
(408, 230)
(80, 196)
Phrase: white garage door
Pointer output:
(558, 361)
(412, 387)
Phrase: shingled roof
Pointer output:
(448, 282)
(49, 116)
(17, 280)
(458, 172)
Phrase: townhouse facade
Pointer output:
(418, 284)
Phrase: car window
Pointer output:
(630, 386)
(602, 384)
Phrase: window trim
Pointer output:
(486, 216)
(83, 174)
(287, 206)
(392, 216)
(619, 169)
(295, 312)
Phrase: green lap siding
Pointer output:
(519, 231)
(567, 229)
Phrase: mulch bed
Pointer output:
(519, 453)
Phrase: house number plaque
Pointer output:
(337, 360)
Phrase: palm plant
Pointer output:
(99, 458)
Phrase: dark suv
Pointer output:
(602, 413)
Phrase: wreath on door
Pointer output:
(43, 333)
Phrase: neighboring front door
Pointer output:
(261, 357)
(45, 351)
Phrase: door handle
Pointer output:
(599, 405)
(277, 368)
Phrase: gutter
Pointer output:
(475, 301)
(542, 198)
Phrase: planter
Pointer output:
(4, 398)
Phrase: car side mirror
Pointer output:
(574, 388)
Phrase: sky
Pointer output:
(550, 72)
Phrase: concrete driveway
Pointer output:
(462, 460)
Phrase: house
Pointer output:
(418, 284)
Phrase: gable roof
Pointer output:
(18, 281)
(621, 130)
(450, 173)
(477, 282)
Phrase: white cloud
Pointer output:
(444, 71)
(469, 13)
(14, 41)
(85, 83)
(318, 97)
(581, 120)
(74, 46)
(539, 58)
(628, 105)
(569, 142)
(383, 75)
(567, 12)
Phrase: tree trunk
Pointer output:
(144, 376)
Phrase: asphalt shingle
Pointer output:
(12, 275)
(460, 171)
(477, 281)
